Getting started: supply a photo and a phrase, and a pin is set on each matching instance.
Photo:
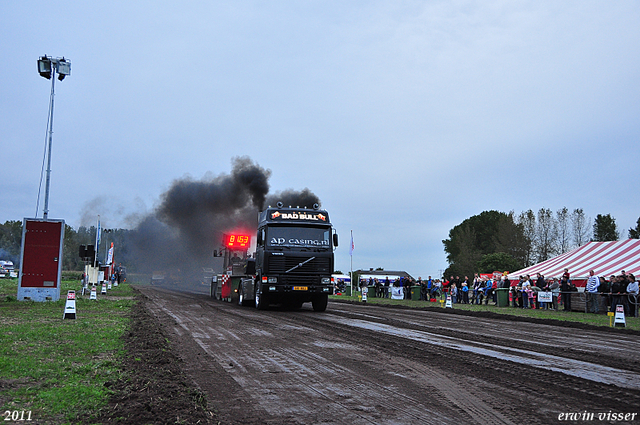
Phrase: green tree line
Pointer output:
(498, 241)
(11, 243)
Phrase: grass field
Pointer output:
(633, 323)
(54, 370)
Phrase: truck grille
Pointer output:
(289, 279)
(280, 264)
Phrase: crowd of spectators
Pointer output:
(601, 294)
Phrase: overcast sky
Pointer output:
(405, 117)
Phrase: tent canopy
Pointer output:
(604, 258)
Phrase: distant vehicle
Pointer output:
(160, 277)
(7, 265)
(207, 274)
(7, 270)
(157, 277)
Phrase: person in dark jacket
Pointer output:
(540, 283)
(604, 292)
(565, 290)
(618, 287)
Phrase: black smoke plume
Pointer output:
(187, 226)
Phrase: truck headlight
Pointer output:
(273, 280)
(326, 280)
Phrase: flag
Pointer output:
(110, 255)
(352, 246)
(97, 241)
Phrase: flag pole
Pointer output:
(351, 255)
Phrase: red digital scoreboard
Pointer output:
(234, 241)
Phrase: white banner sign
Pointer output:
(545, 297)
(396, 293)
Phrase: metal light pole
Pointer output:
(47, 68)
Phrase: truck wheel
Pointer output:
(241, 298)
(320, 302)
(261, 301)
(212, 291)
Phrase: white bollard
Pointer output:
(449, 304)
(70, 306)
(93, 295)
(619, 318)
(104, 289)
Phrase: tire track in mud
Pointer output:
(300, 377)
(308, 371)
(515, 375)
(613, 350)
(273, 353)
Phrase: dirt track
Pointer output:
(358, 364)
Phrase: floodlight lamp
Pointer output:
(64, 67)
(44, 67)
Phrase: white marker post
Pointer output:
(619, 318)
(70, 306)
(449, 304)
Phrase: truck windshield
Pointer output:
(298, 237)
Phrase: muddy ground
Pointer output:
(196, 360)
(156, 390)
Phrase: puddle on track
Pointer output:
(577, 368)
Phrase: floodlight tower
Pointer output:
(47, 68)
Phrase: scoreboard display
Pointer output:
(234, 241)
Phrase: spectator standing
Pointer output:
(488, 290)
(541, 284)
(435, 287)
(604, 292)
(477, 285)
(454, 293)
(555, 290)
(446, 285)
(593, 283)
(514, 296)
(409, 282)
(526, 287)
(565, 291)
(465, 291)
(386, 287)
(632, 291)
(618, 286)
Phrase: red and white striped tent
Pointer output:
(604, 258)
